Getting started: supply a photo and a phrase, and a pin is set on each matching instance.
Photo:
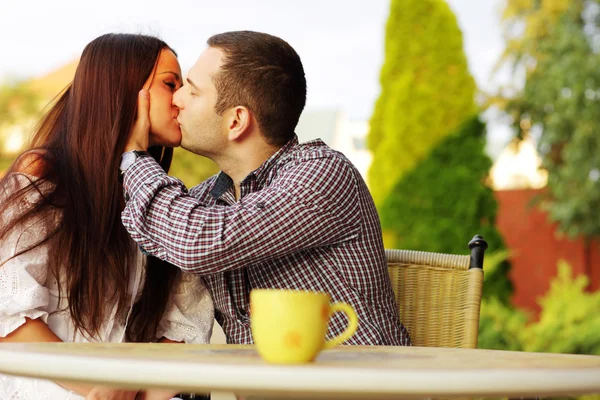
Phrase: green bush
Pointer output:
(501, 326)
(570, 317)
(569, 321)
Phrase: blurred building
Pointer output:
(518, 167)
(339, 132)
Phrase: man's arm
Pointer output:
(313, 204)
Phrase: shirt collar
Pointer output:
(221, 186)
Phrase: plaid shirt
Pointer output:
(305, 220)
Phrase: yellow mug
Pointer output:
(289, 327)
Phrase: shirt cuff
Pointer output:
(183, 333)
(143, 171)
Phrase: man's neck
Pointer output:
(243, 161)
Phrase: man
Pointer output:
(280, 214)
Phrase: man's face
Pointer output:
(202, 129)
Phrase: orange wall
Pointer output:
(536, 248)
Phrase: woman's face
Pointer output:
(164, 81)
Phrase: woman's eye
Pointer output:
(170, 84)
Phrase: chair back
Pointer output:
(439, 295)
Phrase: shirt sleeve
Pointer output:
(23, 291)
(311, 204)
(189, 315)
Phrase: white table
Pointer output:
(345, 372)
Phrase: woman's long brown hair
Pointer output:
(77, 147)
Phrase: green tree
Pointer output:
(561, 97)
(558, 46)
(426, 89)
(526, 23)
(441, 203)
(560, 101)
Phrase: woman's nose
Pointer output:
(176, 101)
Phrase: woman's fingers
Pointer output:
(138, 137)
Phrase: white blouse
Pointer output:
(27, 289)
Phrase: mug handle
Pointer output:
(350, 329)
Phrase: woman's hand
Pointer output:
(103, 393)
(140, 133)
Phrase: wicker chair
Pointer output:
(439, 295)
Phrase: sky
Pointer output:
(339, 41)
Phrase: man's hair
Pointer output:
(265, 74)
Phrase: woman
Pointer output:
(68, 269)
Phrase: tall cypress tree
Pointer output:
(427, 90)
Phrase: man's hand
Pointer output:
(139, 135)
(102, 393)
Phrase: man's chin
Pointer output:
(193, 149)
(186, 146)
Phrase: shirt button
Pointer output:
(260, 205)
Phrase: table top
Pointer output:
(344, 372)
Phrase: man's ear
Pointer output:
(239, 119)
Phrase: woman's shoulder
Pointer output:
(23, 188)
(34, 162)
(29, 169)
